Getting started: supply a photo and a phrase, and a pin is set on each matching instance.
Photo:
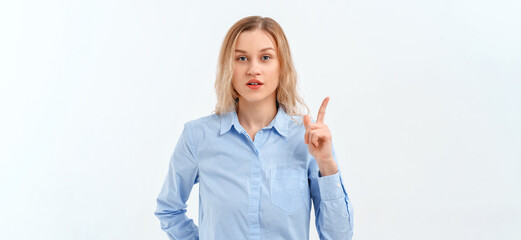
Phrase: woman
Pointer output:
(258, 167)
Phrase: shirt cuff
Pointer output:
(330, 186)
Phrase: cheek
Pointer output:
(275, 73)
(234, 83)
(235, 75)
(275, 69)
(238, 68)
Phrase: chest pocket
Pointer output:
(288, 188)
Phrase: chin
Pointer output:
(253, 99)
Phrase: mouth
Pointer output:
(254, 82)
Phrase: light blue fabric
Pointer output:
(248, 189)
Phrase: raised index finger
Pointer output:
(322, 110)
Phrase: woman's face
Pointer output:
(255, 59)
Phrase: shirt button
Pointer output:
(260, 131)
(338, 184)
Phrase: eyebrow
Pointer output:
(262, 50)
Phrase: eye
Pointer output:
(241, 57)
(263, 57)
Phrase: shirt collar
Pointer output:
(280, 122)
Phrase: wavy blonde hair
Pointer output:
(287, 95)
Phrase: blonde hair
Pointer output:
(287, 95)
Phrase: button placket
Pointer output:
(261, 138)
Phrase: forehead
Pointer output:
(254, 41)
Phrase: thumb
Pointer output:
(307, 122)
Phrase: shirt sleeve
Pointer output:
(333, 209)
(171, 201)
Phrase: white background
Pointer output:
(425, 110)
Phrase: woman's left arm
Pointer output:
(333, 209)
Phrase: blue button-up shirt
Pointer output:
(259, 189)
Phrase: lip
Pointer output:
(254, 86)
(253, 80)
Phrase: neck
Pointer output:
(258, 114)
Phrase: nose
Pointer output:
(254, 68)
